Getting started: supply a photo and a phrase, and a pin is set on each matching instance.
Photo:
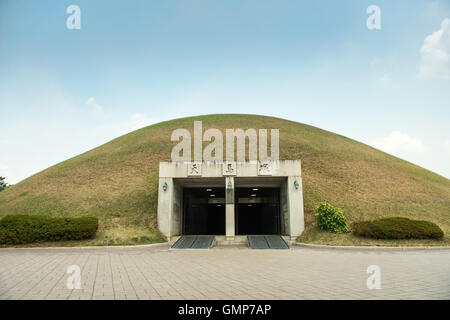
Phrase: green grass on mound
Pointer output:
(117, 182)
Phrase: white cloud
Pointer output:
(447, 146)
(385, 80)
(3, 167)
(138, 121)
(97, 108)
(435, 54)
(5, 171)
(399, 143)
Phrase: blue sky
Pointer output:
(133, 63)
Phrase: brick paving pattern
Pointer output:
(155, 272)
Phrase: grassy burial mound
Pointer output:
(117, 182)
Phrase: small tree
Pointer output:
(3, 184)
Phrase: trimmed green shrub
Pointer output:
(331, 219)
(21, 229)
(397, 228)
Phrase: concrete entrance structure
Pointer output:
(282, 174)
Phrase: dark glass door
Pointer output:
(257, 211)
(204, 211)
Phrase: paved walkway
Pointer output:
(222, 273)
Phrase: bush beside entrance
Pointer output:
(331, 219)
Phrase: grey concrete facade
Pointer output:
(283, 174)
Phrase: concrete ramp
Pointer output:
(267, 242)
(193, 242)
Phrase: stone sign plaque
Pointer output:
(194, 169)
(229, 168)
(265, 168)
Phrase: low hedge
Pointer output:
(22, 229)
(397, 228)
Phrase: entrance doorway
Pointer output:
(257, 211)
(204, 211)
